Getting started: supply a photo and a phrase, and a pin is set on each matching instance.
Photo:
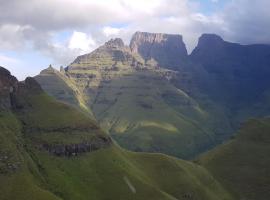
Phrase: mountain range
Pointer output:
(153, 96)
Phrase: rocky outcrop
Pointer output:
(109, 54)
(167, 50)
(49, 70)
(13, 92)
(32, 86)
(8, 86)
(76, 149)
(115, 43)
(209, 40)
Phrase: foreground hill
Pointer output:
(243, 165)
(52, 151)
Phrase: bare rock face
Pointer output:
(32, 85)
(108, 54)
(13, 92)
(168, 50)
(209, 39)
(76, 149)
(49, 70)
(8, 85)
(115, 43)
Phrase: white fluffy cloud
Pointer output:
(81, 41)
(34, 23)
(109, 31)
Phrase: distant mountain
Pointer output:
(237, 75)
(52, 151)
(242, 164)
(153, 96)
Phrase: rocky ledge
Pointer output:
(76, 149)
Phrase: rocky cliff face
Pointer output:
(167, 50)
(111, 53)
(79, 148)
(8, 85)
(12, 92)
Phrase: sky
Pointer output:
(36, 33)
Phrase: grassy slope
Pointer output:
(20, 184)
(144, 112)
(242, 165)
(103, 174)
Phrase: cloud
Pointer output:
(248, 22)
(81, 41)
(33, 24)
(109, 31)
(12, 36)
(6, 60)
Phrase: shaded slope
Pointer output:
(62, 88)
(54, 82)
(242, 165)
(237, 75)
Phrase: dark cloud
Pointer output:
(248, 21)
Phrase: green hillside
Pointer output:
(49, 150)
(243, 164)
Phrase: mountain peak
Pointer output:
(168, 50)
(48, 70)
(115, 43)
(146, 37)
(209, 39)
